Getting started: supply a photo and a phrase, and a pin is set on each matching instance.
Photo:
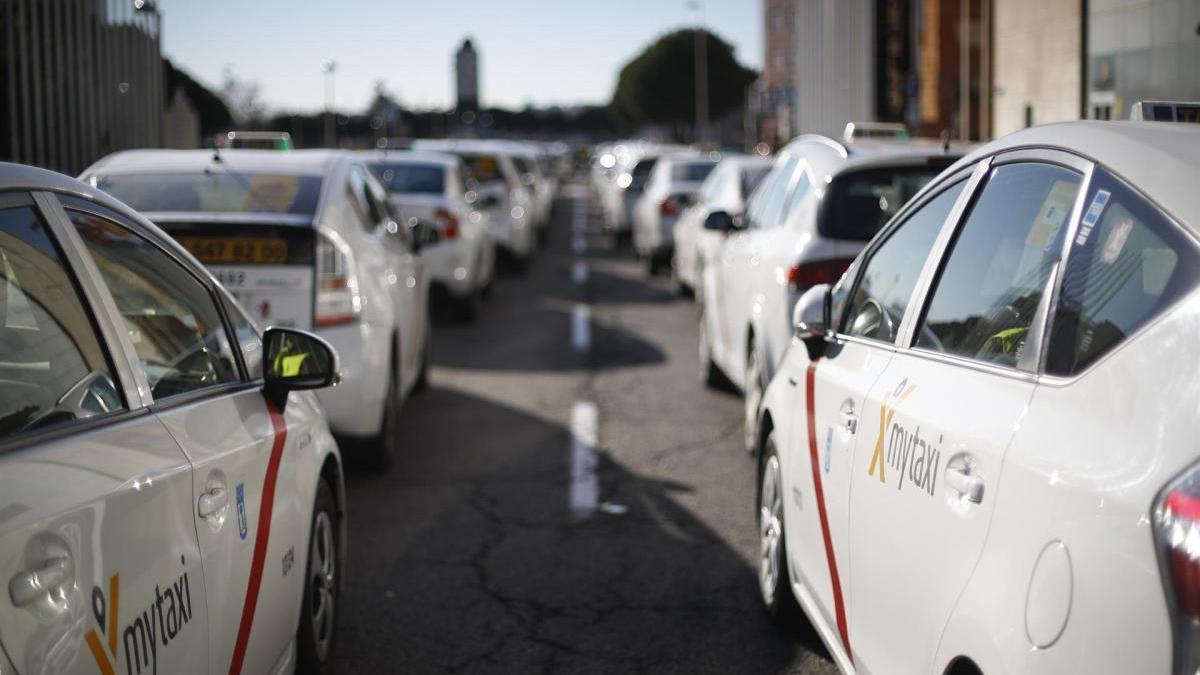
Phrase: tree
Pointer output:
(659, 85)
(244, 99)
(212, 111)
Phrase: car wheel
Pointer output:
(774, 582)
(752, 388)
(710, 375)
(382, 448)
(681, 287)
(652, 264)
(318, 611)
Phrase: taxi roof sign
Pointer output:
(1165, 111)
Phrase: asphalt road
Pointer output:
(479, 550)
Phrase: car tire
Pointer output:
(774, 579)
(652, 264)
(381, 450)
(315, 636)
(752, 393)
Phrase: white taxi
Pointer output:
(803, 225)
(979, 453)
(172, 502)
(304, 239)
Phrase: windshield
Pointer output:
(216, 191)
(401, 177)
(751, 177)
(692, 172)
(480, 169)
(859, 203)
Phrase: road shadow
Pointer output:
(465, 558)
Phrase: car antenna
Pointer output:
(946, 139)
(217, 153)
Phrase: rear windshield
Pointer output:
(401, 177)
(692, 172)
(481, 168)
(216, 191)
(751, 177)
(859, 203)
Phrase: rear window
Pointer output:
(409, 178)
(481, 168)
(859, 203)
(641, 171)
(691, 171)
(216, 191)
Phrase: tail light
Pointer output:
(1177, 533)
(668, 207)
(447, 223)
(337, 301)
(803, 276)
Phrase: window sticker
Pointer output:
(1053, 213)
(1092, 216)
(272, 193)
(1116, 241)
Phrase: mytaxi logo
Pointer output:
(162, 621)
(914, 457)
(886, 413)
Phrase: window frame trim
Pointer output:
(1032, 359)
(202, 277)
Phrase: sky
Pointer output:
(549, 52)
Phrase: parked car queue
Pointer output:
(173, 473)
(966, 375)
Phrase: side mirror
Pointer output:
(810, 318)
(424, 234)
(719, 221)
(296, 359)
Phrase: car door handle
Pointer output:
(29, 586)
(212, 501)
(850, 422)
(967, 484)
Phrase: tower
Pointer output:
(466, 65)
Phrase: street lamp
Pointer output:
(329, 67)
(701, 70)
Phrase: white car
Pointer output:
(810, 216)
(979, 453)
(174, 502)
(495, 186)
(303, 239)
(428, 186)
(541, 190)
(725, 191)
(670, 188)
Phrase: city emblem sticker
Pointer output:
(241, 509)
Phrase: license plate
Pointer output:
(237, 250)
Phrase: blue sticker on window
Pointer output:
(241, 504)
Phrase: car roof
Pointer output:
(414, 156)
(829, 157)
(1160, 159)
(292, 162)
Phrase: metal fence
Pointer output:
(80, 79)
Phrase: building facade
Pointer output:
(78, 79)
(466, 71)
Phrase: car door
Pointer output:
(743, 266)
(935, 427)
(203, 395)
(407, 277)
(835, 389)
(98, 549)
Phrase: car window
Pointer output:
(758, 198)
(799, 192)
(890, 274)
(249, 338)
(411, 177)
(691, 171)
(220, 190)
(171, 318)
(774, 200)
(711, 187)
(857, 204)
(53, 369)
(751, 177)
(998, 264)
(365, 199)
(1126, 265)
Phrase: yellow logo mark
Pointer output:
(885, 420)
(93, 638)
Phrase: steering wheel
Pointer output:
(873, 321)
